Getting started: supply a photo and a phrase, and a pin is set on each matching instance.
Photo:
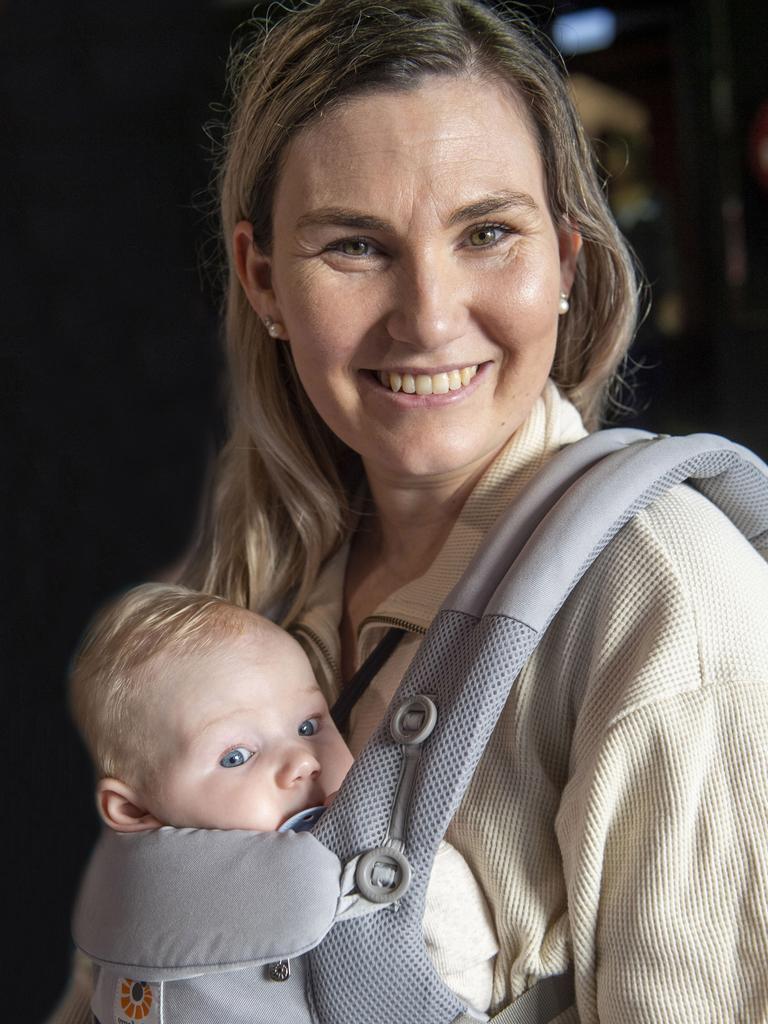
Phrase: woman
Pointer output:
(427, 299)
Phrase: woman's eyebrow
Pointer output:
(340, 216)
(494, 203)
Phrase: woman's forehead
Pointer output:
(445, 141)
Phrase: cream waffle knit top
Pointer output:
(619, 816)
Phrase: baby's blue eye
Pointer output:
(235, 757)
(308, 727)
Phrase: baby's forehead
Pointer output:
(219, 636)
(269, 644)
(236, 675)
(259, 656)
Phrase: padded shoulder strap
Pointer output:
(467, 665)
(175, 903)
(586, 518)
(515, 527)
(584, 495)
(524, 572)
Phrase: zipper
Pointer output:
(391, 620)
(323, 647)
(325, 651)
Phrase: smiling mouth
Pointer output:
(425, 383)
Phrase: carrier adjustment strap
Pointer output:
(546, 1000)
(384, 873)
(362, 679)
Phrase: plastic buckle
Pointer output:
(382, 875)
(414, 720)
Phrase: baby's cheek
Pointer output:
(343, 762)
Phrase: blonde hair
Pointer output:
(279, 505)
(110, 675)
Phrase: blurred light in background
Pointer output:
(584, 31)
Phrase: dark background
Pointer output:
(110, 358)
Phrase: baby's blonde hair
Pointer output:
(110, 675)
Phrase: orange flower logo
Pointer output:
(135, 999)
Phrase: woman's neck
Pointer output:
(400, 534)
(410, 524)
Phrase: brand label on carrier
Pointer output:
(136, 1001)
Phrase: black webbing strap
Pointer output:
(362, 679)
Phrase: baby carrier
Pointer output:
(326, 926)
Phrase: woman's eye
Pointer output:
(353, 247)
(486, 235)
(235, 757)
(308, 727)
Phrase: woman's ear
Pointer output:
(122, 808)
(569, 245)
(254, 271)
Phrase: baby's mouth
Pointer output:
(425, 383)
(302, 821)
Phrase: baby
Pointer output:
(200, 714)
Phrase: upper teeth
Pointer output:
(428, 384)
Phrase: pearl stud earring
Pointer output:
(564, 305)
(274, 329)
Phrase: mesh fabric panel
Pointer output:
(468, 668)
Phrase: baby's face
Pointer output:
(244, 735)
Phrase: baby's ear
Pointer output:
(122, 808)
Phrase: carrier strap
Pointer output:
(583, 497)
(362, 679)
(539, 1005)
(467, 664)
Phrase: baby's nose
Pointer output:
(299, 766)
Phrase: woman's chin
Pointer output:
(431, 457)
(411, 436)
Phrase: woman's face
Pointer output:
(416, 270)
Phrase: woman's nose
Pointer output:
(298, 765)
(429, 306)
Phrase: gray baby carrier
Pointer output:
(326, 926)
